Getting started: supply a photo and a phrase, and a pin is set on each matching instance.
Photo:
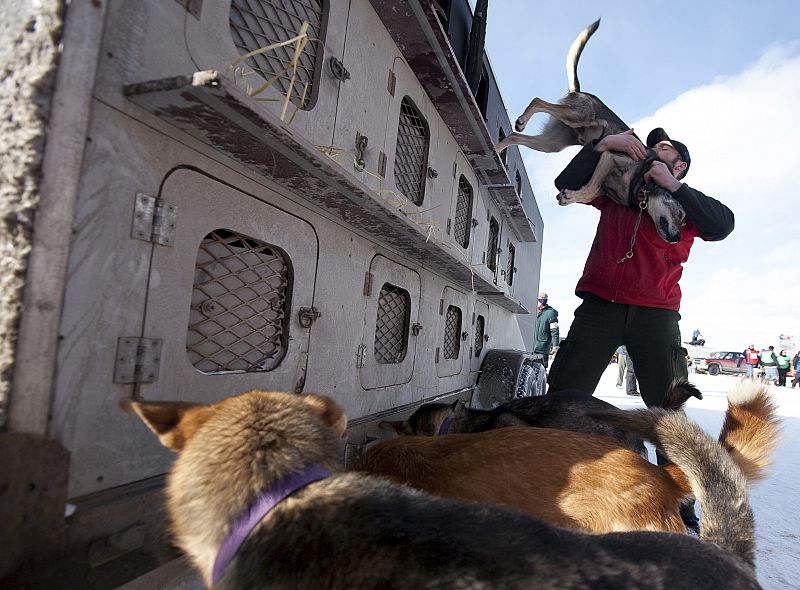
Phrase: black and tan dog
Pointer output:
(257, 500)
(572, 479)
(581, 118)
(568, 410)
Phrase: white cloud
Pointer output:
(742, 132)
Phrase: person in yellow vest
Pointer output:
(770, 363)
(784, 362)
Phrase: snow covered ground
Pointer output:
(776, 500)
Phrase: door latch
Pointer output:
(307, 316)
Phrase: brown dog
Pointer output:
(572, 479)
(251, 505)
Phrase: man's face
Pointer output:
(670, 155)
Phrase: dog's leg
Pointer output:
(591, 190)
(537, 106)
(566, 113)
(540, 143)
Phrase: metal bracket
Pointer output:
(338, 70)
(368, 276)
(361, 148)
(464, 336)
(138, 360)
(153, 220)
(307, 316)
(416, 328)
(432, 172)
(361, 356)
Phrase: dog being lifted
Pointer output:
(566, 410)
(573, 479)
(581, 118)
(257, 500)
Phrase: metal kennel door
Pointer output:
(231, 300)
(386, 353)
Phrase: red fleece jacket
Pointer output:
(651, 277)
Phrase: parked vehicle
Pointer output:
(725, 362)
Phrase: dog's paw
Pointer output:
(520, 123)
(565, 197)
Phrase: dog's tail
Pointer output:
(574, 55)
(678, 393)
(751, 429)
(717, 471)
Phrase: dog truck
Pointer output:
(203, 197)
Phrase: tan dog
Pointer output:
(252, 469)
(572, 479)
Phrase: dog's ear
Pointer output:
(401, 427)
(331, 412)
(173, 422)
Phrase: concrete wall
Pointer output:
(29, 34)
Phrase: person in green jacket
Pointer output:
(546, 328)
(784, 362)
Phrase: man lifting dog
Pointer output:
(630, 285)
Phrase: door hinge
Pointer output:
(154, 220)
(138, 360)
(368, 284)
(448, 226)
(361, 356)
(437, 355)
(391, 84)
(441, 306)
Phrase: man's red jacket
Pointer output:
(650, 278)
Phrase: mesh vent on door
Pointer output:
(258, 23)
(391, 325)
(238, 320)
(411, 155)
(452, 333)
(463, 212)
(491, 246)
(480, 326)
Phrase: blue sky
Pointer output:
(724, 77)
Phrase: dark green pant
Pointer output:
(651, 336)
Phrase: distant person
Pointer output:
(547, 337)
(784, 363)
(631, 387)
(770, 363)
(750, 358)
(796, 365)
(622, 363)
(697, 339)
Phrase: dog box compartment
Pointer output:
(452, 343)
(388, 348)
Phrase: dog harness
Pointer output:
(445, 425)
(258, 509)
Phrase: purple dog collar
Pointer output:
(258, 509)
(445, 425)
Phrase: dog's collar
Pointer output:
(258, 509)
(446, 425)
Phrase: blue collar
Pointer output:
(445, 425)
(257, 510)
